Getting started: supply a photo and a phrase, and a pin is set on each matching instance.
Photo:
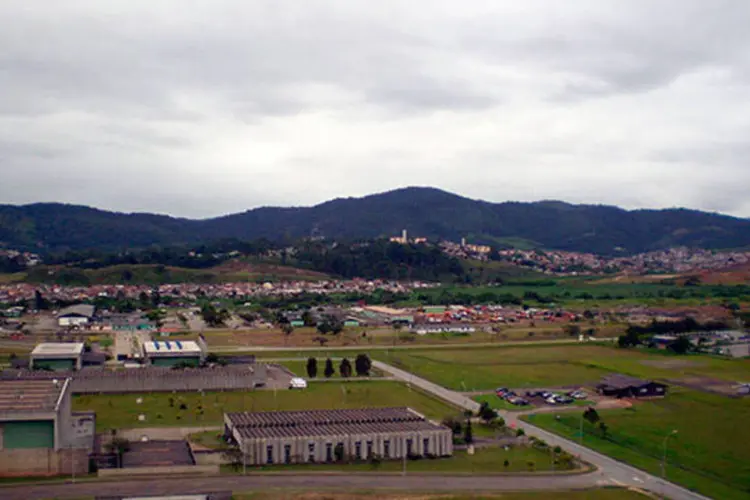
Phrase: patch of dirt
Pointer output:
(707, 384)
(735, 275)
(671, 364)
(239, 266)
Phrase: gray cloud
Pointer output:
(228, 105)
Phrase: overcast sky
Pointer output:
(199, 108)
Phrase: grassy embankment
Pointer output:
(122, 411)
(484, 461)
(341, 494)
(709, 453)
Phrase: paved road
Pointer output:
(612, 470)
(195, 485)
(510, 343)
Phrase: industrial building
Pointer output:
(335, 435)
(38, 432)
(57, 356)
(170, 353)
(77, 315)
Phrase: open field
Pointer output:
(484, 461)
(709, 453)
(554, 365)
(122, 411)
(592, 494)
(153, 274)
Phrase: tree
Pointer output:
(321, 340)
(604, 428)
(40, 303)
(312, 367)
(681, 345)
(591, 416)
(324, 327)
(362, 365)
(345, 368)
(572, 330)
(118, 446)
(329, 371)
(308, 319)
(486, 413)
(468, 433)
(287, 330)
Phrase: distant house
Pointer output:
(77, 315)
(443, 328)
(623, 386)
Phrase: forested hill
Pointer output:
(427, 212)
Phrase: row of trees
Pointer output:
(362, 365)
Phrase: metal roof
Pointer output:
(338, 429)
(86, 310)
(58, 349)
(322, 417)
(31, 395)
(179, 347)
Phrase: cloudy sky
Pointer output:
(198, 108)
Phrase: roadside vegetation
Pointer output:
(338, 494)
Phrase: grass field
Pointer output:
(710, 452)
(554, 365)
(484, 461)
(592, 494)
(122, 411)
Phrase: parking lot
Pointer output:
(543, 397)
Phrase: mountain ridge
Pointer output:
(423, 211)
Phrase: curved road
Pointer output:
(610, 469)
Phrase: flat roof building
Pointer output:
(335, 435)
(57, 356)
(172, 352)
(37, 433)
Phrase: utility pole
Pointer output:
(664, 455)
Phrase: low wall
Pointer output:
(153, 379)
(43, 462)
(174, 470)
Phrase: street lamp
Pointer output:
(664, 456)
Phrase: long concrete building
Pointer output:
(335, 435)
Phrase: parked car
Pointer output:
(577, 394)
(563, 400)
(518, 401)
(298, 383)
(551, 400)
(533, 394)
(510, 394)
(546, 394)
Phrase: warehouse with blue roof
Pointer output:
(173, 352)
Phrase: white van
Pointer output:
(298, 383)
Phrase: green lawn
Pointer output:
(299, 368)
(121, 411)
(484, 461)
(710, 452)
(555, 365)
(342, 494)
